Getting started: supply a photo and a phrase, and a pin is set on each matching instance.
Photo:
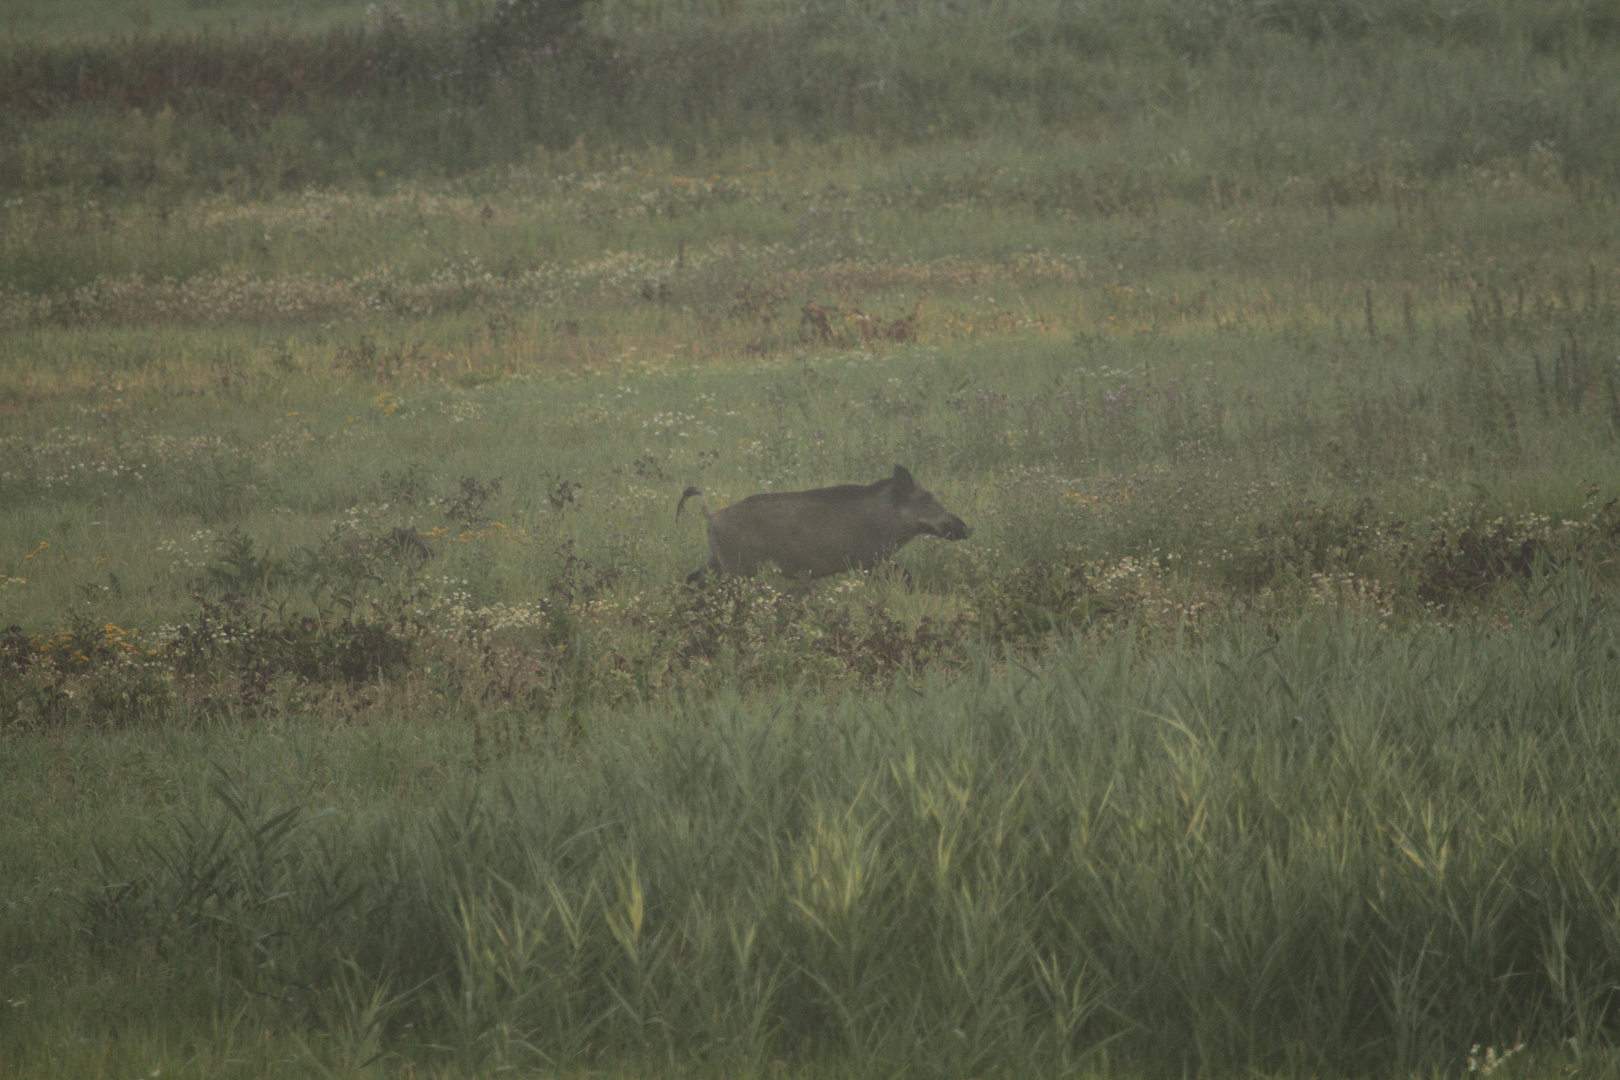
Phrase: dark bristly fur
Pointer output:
(824, 531)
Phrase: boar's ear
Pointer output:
(903, 483)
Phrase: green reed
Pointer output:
(1325, 846)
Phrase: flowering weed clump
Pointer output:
(101, 675)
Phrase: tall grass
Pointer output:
(1325, 847)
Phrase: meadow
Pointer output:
(356, 718)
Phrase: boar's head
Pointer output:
(917, 505)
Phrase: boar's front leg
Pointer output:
(711, 567)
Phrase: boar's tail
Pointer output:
(703, 502)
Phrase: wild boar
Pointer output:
(825, 531)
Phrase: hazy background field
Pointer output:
(356, 721)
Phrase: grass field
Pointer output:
(355, 718)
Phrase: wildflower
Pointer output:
(1488, 1064)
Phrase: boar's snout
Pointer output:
(945, 525)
